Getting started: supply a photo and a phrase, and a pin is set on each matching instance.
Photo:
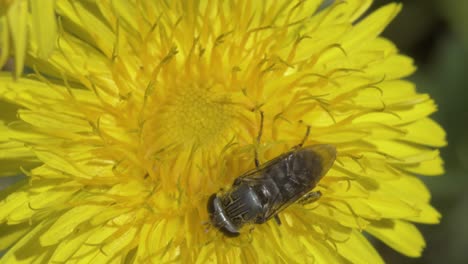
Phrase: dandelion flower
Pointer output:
(146, 108)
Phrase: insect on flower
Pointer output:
(262, 193)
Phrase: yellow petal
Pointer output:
(304, 9)
(109, 251)
(165, 233)
(67, 247)
(61, 163)
(320, 252)
(54, 121)
(14, 155)
(101, 35)
(319, 41)
(341, 12)
(413, 109)
(44, 26)
(11, 234)
(67, 223)
(371, 26)
(409, 189)
(389, 207)
(17, 254)
(426, 132)
(430, 164)
(4, 40)
(400, 235)
(13, 201)
(93, 245)
(12, 149)
(357, 249)
(393, 67)
(427, 214)
(37, 200)
(404, 152)
(17, 21)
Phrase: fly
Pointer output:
(262, 193)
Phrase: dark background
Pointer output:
(435, 34)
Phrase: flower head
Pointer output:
(147, 108)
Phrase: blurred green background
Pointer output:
(435, 34)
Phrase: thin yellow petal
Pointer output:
(12, 233)
(67, 223)
(357, 242)
(67, 247)
(400, 235)
(13, 201)
(60, 163)
(115, 247)
(342, 12)
(38, 201)
(81, 17)
(17, 254)
(407, 188)
(427, 214)
(371, 26)
(393, 67)
(417, 132)
(4, 40)
(430, 164)
(44, 26)
(17, 22)
(392, 208)
(320, 252)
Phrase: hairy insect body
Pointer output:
(260, 194)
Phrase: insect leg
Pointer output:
(310, 197)
(259, 136)
(305, 138)
(277, 219)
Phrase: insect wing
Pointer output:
(257, 175)
(305, 168)
(279, 204)
(283, 180)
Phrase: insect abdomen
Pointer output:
(291, 176)
(297, 174)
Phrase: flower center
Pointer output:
(196, 115)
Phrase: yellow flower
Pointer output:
(148, 107)
(14, 26)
